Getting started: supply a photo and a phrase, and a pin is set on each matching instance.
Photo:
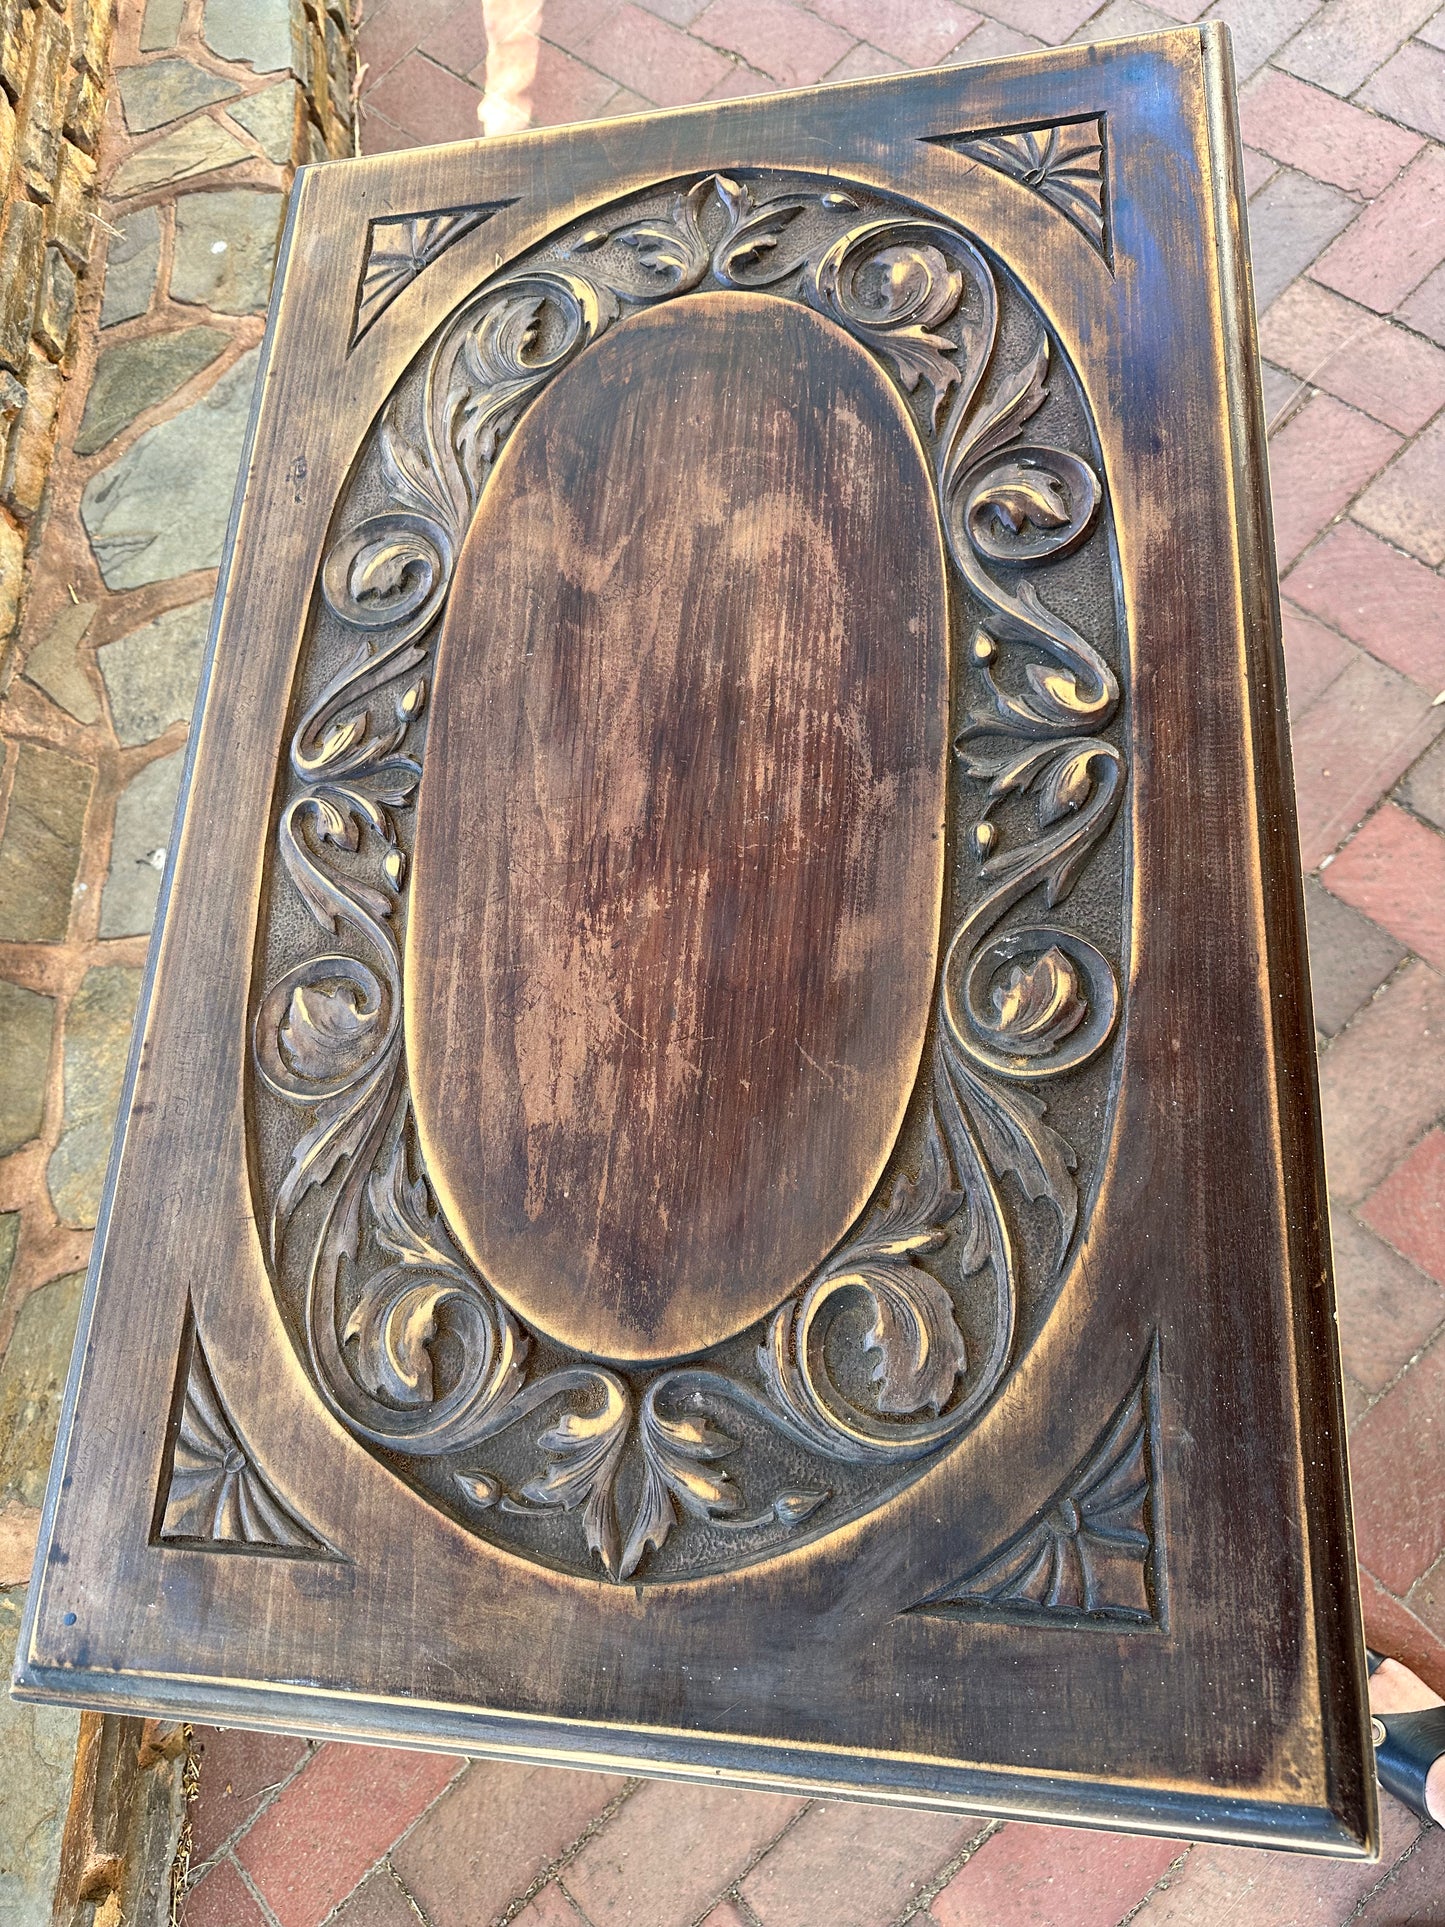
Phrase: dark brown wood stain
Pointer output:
(687, 759)
(673, 919)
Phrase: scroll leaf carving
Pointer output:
(893, 290)
(324, 1026)
(584, 1451)
(410, 1348)
(681, 1476)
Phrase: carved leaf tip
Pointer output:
(792, 1508)
(921, 1351)
(478, 1489)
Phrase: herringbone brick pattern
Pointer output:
(1343, 108)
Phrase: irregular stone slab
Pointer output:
(22, 253)
(135, 375)
(52, 666)
(161, 509)
(32, 1381)
(271, 117)
(97, 1038)
(12, 571)
(166, 90)
(258, 31)
(9, 1245)
(55, 315)
(162, 24)
(199, 147)
(37, 1748)
(32, 442)
(27, 1023)
(151, 674)
(131, 266)
(40, 850)
(226, 249)
(144, 814)
(43, 105)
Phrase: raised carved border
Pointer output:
(1016, 1003)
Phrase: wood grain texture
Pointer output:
(680, 831)
(1180, 1387)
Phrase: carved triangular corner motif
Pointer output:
(1094, 1555)
(213, 1494)
(400, 249)
(1064, 162)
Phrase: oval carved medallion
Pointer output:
(687, 757)
(685, 1029)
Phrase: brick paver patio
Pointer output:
(1343, 108)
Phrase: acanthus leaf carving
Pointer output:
(409, 1347)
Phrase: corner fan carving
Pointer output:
(398, 251)
(1093, 1556)
(1061, 161)
(894, 1346)
(215, 1494)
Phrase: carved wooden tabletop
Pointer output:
(723, 1171)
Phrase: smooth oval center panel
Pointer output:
(679, 842)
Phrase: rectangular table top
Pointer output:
(721, 1173)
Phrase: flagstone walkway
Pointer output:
(1343, 108)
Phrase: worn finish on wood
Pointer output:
(684, 1050)
(360, 1062)
(674, 912)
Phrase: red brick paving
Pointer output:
(1350, 958)
(1404, 504)
(1314, 658)
(1411, 88)
(221, 1898)
(1409, 1207)
(917, 32)
(1426, 1601)
(1371, 363)
(1392, 1626)
(1410, 1896)
(1344, 114)
(1242, 1887)
(658, 61)
(853, 1866)
(241, 1769)
(1383, 1081)
(1345, 42)
(1425, 309)
(1389, 1308)
(1390, 248)
(670, 1850)
(1389, 603)
(1036, 1876)
(1395, 1454)
(549, 1908)
(425, 100)
(525, 1815)
(1301, 127)
(380, 1901)
(329, 1826)
(1394, 871)
(1351, 745)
